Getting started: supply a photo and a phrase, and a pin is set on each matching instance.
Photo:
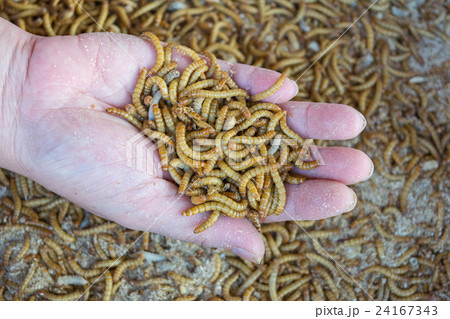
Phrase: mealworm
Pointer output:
(219, 94)
(137, 92)
(252, 173)
(206, 181)
(221, 199)
(291, 287)
(83, 272)
(24, 250)
(184, 148)
(126, 264)
(410, 181)
(207, 223)
(159, 51)
(207, 207)
(108, 286)
(58, 230)
(383, 171)
(124, 114)
(7, 255)
(279, 186)
(16, 199)
(226, 288)
(31, 272)
(94, 230)
(68, 297)
(271, 90)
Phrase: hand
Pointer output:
(55, 131)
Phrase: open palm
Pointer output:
(71, 146)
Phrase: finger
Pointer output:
(250, 78)
(100, 163)
(163, 215)
(315, 199)
(324, 121)
(256, 80)
(342, 164)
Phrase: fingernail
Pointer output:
(364, 122)
(353, 204)
(246, 255)
(371, 171)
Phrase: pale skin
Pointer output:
(54, 130)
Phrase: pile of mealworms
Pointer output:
(218, 137)
(390, 65)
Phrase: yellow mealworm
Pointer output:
(124, 114)
(279, 186)
(379, 166)
(278, 229)
(273, 280)
(273, 245)
(184, 181)
(24, 250)
(226, 288)
(247, 294)
(271, 90)
(206, 181)
(159, 51)
(221, 199)
(94, 230)
(58, 230)
(136, 97)
(31, 272)
(126, 264)
(83, 272)
(291, 287)
(179, 279)
(207, 223)
(209, 206)
(16, 199)
(412, 178)
(168, 72)
(219, 94)
(68, 297)
(184, 148)
(156, 80)
(252, 173)
(108, 286)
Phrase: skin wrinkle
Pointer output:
(16, 62)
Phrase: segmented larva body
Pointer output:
(58, 230)
(252, 173)
(219, 94)
(159, 51)
(156, 80)
(124, 114)
(211, 206)
(136, 97)
(412, 178)
(277, 85)
(222, 199)
(68, 297)
(184, 79)
(94, 230)
(126, 264)
(208, 223)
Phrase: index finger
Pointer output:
(324, 121)
(250, 78)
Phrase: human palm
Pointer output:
(70, 145)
